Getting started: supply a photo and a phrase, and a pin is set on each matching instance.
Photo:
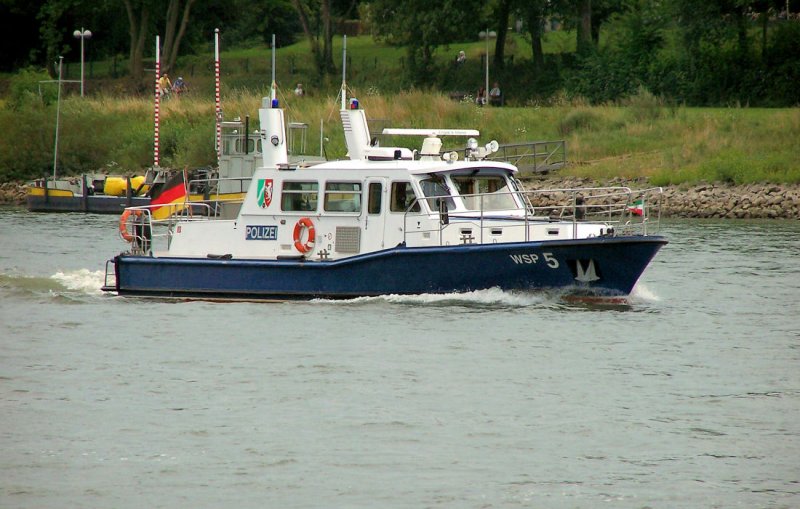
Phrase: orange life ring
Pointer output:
(298, 235)
(123, 223)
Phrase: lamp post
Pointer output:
(82, 35)
(487, 35)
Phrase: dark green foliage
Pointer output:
(579, 119)
(29, 87)
(422, 26)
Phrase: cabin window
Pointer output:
(402, 198)
(374, 200)
(433, 187)
(484, 192)
(251, 145)
(228, 146)
(343, 197)
(299, 196)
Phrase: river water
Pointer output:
(687, 397)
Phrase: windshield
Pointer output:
(485, 192)
(433, 187)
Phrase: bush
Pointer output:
(644, 106)
(579, 119)
(25, 88)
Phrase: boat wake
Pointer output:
(81, 280)
(495, 298)
(76, 283)
(642, 294)
(491, 298)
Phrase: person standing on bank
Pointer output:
(480, 99)
(495, 95)
(164, 84)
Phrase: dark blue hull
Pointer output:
(596, 266)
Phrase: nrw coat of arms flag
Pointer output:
(264, 192)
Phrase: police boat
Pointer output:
(388, 220)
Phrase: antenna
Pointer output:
(273, 86)
(344, 73)
(58, 116)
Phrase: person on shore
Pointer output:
(179, 87)
(164, 85)
(298, 90)
(495, 95)
(480, 98)
(461, 58)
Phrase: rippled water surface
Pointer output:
(687, 397)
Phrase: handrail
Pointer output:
(616, 207)
(145, 231)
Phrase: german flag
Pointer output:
(171, 198)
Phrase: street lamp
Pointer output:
(486, 34)
(82, 34)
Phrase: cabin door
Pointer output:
(377, 193)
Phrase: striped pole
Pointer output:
(157, 103)
(216, 95)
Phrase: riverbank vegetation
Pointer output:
(640, 137)
(714, 53)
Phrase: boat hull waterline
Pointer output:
(596, 266)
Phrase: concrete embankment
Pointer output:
(751, 201)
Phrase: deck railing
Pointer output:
(621, 210)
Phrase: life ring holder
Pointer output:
(308, 246)
(123, 224)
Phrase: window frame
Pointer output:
(287, 193)
(358, 195)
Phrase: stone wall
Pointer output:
(769, 201)
(12, 193)
(751, 201)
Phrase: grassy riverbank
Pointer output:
(641, 138)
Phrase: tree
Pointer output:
(323, 55)
(422, 26)
(174, 30)
(584, 35)
(534, 12)
(502, 13)
(19, 16)
(140, 13)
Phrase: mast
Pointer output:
(273, 93)
(273, 125)
(58, 119)
(354, 120)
